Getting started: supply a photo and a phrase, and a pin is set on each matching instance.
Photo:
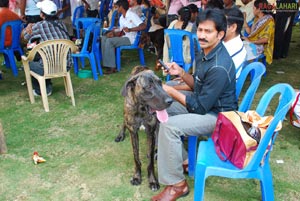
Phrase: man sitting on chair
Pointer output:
(130, 24)
(232, 41)
(48, 29)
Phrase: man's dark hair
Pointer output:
(215, 4)
(123, 3)
(216, 15)
(4, 3)
(193, 8)
(235, 16)
(50, 17)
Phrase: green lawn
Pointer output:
(84, 162)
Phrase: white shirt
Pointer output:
(130, 20)
(31, 8)
(237, 51)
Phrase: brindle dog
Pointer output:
(144, 95)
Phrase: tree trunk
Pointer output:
(3, 148)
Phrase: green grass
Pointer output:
(84, 162)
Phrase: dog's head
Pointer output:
(144, 87)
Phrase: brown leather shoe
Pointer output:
(171, 193)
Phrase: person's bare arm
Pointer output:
(141, 27)
(22, 9)
(175, 94)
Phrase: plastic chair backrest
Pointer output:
(137, 39)
(115, 16)
(16, 28)
(55, 54)
(255, 70)
(78, 13)
(83, 23)
(93, 30)
(104, 8)
(287, 94)
(147, 15)
(176, 38)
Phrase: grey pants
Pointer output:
(171, 153)
(108, 46)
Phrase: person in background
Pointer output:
(247, 8)
(14, 5)
(261, 33)
(29, 12)
(64, 13)
(229, 4)
(182, 23)
(215, 4)
(7, 15)
(194, 112)
(91, 7)
(173, 7)
(232, 41)
(194, 14)
(135, 6)
(283, 30)
(48, 29)
(130, 24)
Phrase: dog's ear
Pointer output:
(129, 84)
(138, 69)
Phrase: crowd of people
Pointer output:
(222, 29)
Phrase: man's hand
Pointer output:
(174, 69)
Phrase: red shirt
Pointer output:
(5, 16)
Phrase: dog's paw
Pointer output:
(154, 186)
(119, 138)
(135, 181)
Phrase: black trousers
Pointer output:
(282, 33)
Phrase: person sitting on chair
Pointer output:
(48, 29)
(261, 33)
(130, 24)
(195, 112)
(232, 40)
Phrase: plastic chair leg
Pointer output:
(98, 60)
(192, 154)
(93, 66)
(141, 54)
(75, 59)
(118, 58)
(266, 184)
(13, 64)
(199, 182)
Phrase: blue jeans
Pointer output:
(171, 152)
(36, 67)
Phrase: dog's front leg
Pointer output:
(137, 178)
(121, 135)
(151, 139)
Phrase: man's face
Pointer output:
(208, 36)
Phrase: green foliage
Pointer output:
(84, 162)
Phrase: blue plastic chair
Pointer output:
(255, 69)
(112, 24)
(135, 45)
(94, 55)
(209, 164)
(83, 23)
(78, 13)
(176, 38)
(8, 52)
(147, 15)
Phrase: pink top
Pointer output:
(175, 5)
